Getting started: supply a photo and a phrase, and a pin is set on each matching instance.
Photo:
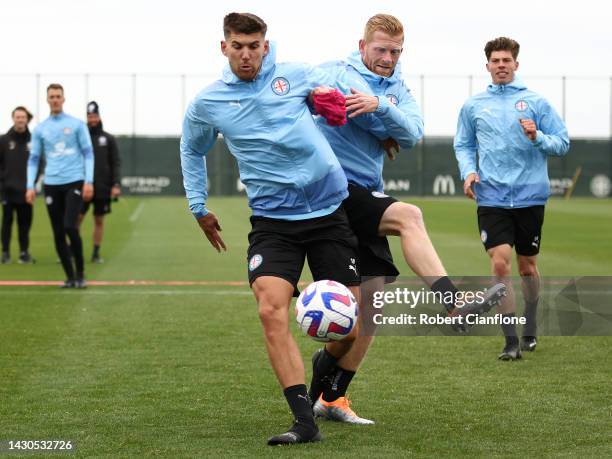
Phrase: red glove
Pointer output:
(331, 107)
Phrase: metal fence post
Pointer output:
(133, 105)
(470, 85)
(86, 77)
(422, 155)
(38, 97)
(183, 94)
(563, 96)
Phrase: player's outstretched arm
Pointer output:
(210, 226)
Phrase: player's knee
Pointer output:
(501, 267)
(527, 270)
(71, 231)
(410, 217)
(271, 312)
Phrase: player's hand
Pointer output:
(389, 145)
(115, 191)
(88, 192)
(30, 196)
(211, 228)
(358, 103)
(319, 90)
(530, 128)
(469, 183)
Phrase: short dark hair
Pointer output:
(245, 23)
(502, 44)
(23, 109)
(55, 86)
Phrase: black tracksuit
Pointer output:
(106, 162)
(14, 153)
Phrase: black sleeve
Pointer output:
(2, 163)
(115, 160)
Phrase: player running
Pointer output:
(294, 183)
(68, 181)
(504, 137)
(382, 113)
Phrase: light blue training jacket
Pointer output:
(358, 143)
(513, 169)
(288, 168)
(65, 142)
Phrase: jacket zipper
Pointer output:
(503, 91)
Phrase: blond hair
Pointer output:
(383, 23)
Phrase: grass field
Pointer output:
(180, 370)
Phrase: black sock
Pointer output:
(339, 384)
(297, 398)
(509, 331)
(448, 291)
(326, 364)
(96, 252)
(531, 311)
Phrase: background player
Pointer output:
(106, 176)
(14, 153)
(68, 181)
(512, 131)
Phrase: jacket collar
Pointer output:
(514, 86)
(13, 134)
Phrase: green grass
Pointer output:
(182, 372)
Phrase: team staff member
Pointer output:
(14, 153)
(291, 175)
(106, 176)
(68, 181)
(382, 112)
(513, 131)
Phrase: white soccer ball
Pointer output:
(326, 311)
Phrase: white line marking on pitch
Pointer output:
(136, 212)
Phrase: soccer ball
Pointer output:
(326, 311)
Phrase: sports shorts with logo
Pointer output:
(519, 227)
(279, 248)
(100, 206)
(365, 209)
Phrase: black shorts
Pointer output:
(520, 228)
(64, 203)
(279, 247)
(365, 209)
(100, 206)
